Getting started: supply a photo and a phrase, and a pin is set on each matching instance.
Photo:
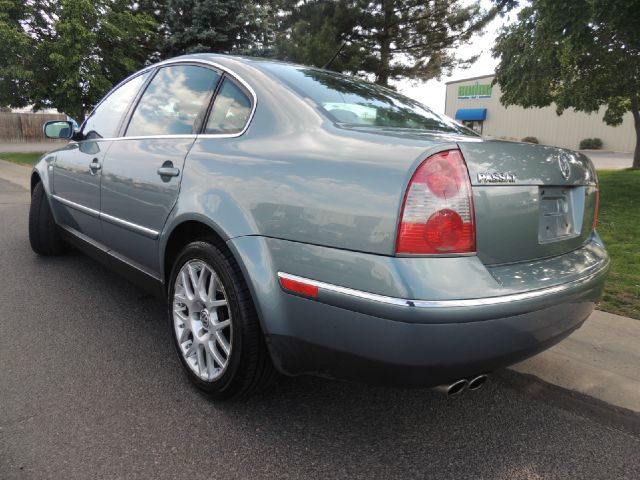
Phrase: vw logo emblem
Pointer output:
(204, 318)
(565, 168)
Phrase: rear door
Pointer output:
(77, 170)
(142, 170)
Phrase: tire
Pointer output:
(43, 232)
(225, 362)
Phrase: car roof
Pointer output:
(229, 60)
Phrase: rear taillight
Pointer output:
(595, 217)
(437, 214)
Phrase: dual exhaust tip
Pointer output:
(460, 386)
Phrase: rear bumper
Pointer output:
(352, 333)
(453, 310)
(350, 337)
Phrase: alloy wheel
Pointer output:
(202, 320)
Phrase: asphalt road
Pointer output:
(90, 388)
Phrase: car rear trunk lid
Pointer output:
(531, 201)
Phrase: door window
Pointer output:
(174, 100)
(231, 110)
(105, 119)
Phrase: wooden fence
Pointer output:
(25, 127)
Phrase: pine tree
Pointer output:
(384, 40)
(227, 26)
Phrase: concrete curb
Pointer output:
(600, 360)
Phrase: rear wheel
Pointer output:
(43, 232)
(214, 324)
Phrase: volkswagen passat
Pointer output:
(305, 222)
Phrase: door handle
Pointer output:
(94, 166)
(168, 170)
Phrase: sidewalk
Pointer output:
(605, 160)
(16, 174)
(30, 147)
(601, 359)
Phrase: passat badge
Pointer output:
(496, 177)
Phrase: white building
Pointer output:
(476, 103)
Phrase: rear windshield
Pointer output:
(351, 101)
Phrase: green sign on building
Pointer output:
(475, 91)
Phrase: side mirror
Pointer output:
(58, 129)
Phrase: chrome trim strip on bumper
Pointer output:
(474, 302)
(109, 218)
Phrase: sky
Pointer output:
(432, 93)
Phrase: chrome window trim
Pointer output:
(473, 302)
(153, 234)
(152, 137)
(168, 136)
(149, 137)
(165, 63)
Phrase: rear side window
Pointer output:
(105, 119)
(231, 109)
(174, 100)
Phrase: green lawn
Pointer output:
(22, 158)
(619, 227)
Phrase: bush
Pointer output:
(530, 140)
(591, 144)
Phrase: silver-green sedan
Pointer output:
(305, 222)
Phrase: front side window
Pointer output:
(174, 100)
(231, 110)
(351, 101)
(105, 119)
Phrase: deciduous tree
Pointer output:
(581, 54)
(67, 54)
(15, 71)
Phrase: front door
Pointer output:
(142, 170)
(77, 169)
(76, 186)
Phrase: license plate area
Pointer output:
(559, 213)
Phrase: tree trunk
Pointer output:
(382, 77)
(636, 124)
(385, 54)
